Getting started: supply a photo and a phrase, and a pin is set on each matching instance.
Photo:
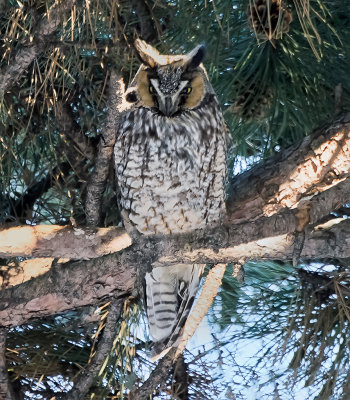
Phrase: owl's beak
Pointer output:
(168, 106)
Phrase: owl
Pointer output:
(170, 163)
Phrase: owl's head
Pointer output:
(169, 84)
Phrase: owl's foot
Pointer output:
(129, 226)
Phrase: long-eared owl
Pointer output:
(170, 161)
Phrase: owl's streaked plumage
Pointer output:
(170, 160)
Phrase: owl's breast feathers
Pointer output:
(171, 177)
(171, 171)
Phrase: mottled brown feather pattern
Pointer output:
(171, 166)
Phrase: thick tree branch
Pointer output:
(65, 287)
(62, 241)
(293, 176)
(98, 179)
(37, 45)
(76, 284)
(84, 243)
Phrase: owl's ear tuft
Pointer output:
(147, 53)
(195, 57)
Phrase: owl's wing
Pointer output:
(170, 293)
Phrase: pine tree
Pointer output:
(281, 71)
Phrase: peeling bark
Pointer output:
(295, 175)
(67, 286)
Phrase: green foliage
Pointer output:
(273, 89)
(44, 357)
(296, 324)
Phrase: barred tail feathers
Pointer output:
(170, 292)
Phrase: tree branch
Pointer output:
(85, 243)
(6, 391)
(156, 380)
(27, 54)
(88, 376)
(76, 284)
(202, 305)
(98, 179)
(61, 241)
(147, 29)
(24, 204)
(320, 161)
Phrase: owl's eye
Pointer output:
(187, 90)
(151, 88)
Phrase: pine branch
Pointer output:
(147, 29)
(85, 243)
(23, 206)
(6, 391)
(98, 179)
(86, 379)
(157, 379)
(24, 57)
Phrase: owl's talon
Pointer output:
(129, 226)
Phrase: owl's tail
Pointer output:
(170, 293)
